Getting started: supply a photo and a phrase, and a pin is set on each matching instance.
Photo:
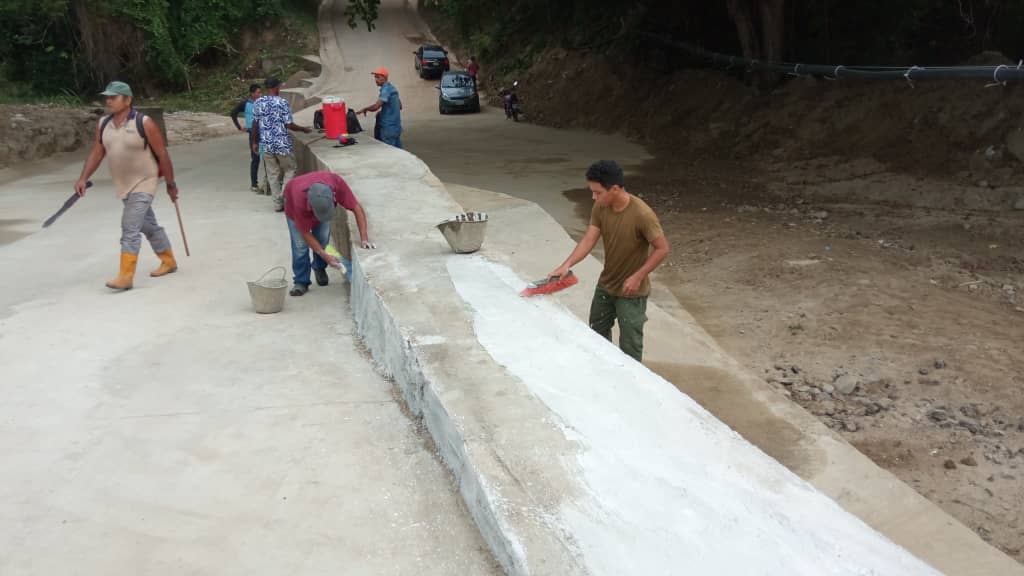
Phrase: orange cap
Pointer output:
(382, 71)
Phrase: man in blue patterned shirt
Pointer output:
(271, 120)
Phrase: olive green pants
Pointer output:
(631, 314)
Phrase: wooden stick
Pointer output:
(181, 227)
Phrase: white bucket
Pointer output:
(267, 294)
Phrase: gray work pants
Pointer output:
(138, 219)
(280, 169)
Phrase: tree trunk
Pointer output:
(112, 47)
(773, 37)
(773, 29)
(742, 15)
(761, 28)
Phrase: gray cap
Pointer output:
(117, 89)
(321, 201)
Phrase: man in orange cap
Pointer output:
(389, 117)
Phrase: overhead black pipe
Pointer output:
(1002, 74)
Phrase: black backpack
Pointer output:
(139, 117)
(353, 122)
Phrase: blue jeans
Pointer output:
(391, 136)
(300, 251)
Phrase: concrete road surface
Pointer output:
(171, 430)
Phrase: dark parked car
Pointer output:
(431, 60)
(458, 92)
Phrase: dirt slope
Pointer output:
(31, 132)
(854, 243)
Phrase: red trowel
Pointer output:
(550, 285)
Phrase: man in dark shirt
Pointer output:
(245, 107)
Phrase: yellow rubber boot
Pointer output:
(124, 278)
(167, 264)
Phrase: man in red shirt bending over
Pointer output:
(309, 202)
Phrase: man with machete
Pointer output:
(309, 207)
(138, 159)
(629, 229)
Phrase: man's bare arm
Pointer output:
(364, 234)
(254, 136)
(314, 244)
(92, 162)
(156, 142)
(583, 248)
(654, 259)
(372, 107)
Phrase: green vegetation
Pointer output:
(20, 93)
(219, 87)
(57, 49)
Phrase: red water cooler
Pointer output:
(335, 118)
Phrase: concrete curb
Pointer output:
(397, 356)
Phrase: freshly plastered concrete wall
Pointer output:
(572, 458)
(471, 408)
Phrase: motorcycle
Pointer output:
(511, 100)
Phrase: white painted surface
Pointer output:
(669, 487)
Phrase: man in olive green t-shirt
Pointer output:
(629, 228)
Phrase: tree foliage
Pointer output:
(822, 31)
(31, 33)
(76, 45)
(364, 11)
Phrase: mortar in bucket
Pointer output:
(267, 294)
(465, 232)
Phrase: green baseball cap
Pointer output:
(117, 89)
